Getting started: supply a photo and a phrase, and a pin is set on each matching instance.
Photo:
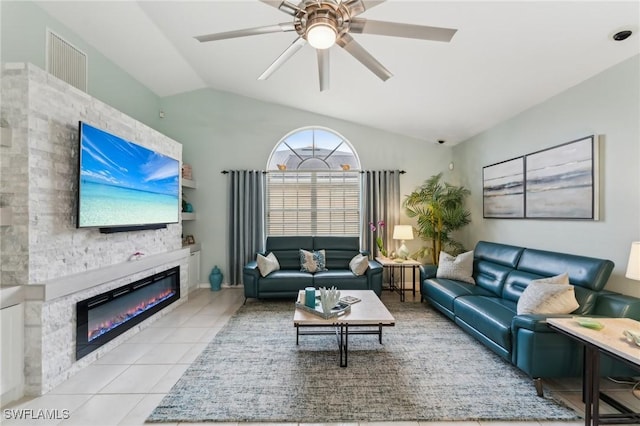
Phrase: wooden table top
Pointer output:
(610, 338)
(368, 311)
(385, 261)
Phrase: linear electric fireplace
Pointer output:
(107, 315)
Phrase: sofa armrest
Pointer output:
(428, 271)
(250, 277)
(374, 276)
(610, 304)
(533, 322)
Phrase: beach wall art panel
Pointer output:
(562, 182)
(503, 189)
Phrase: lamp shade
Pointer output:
(633, 267)
(403, 232)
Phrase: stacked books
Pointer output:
(349, 300)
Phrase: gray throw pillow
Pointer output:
(458, 268)
(267, 264)
(359, 264)
(551, 295)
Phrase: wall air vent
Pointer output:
(66, 62)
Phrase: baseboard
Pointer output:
(224, 285)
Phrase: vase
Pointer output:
(215, 278)
(329, 298)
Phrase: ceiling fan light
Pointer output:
(321, 36)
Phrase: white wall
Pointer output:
(608, 105)
(221, 131)
(41, 249)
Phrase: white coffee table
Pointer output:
(366, 317)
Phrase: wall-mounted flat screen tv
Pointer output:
(124, 186)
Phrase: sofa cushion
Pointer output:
(359, 264)
(267, 264)
(490, 316)
(282, 281)
(583, 271)
(490, 276)
(312, 261)
(501, 254)
(456, 268)
(339, 250)
(443, 291)
(287, 249)
(341, 279)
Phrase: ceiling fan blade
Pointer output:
(323, 68)
(284, 27)
(284, 56)
(394, 29)
(356, 7)
(284, 6)
(357, 51)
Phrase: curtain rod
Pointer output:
(224, 172)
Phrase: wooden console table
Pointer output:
(394, 266)
(610, 341)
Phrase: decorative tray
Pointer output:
(340, 309)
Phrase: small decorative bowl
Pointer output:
(632, 336)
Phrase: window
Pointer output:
(313, 185)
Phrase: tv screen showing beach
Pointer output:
(124, 184)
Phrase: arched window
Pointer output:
(313, 185)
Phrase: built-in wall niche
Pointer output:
(107, 315)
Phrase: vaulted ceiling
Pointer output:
(505, 57)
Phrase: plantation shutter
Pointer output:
(313, 203)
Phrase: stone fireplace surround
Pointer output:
(50, 323)
(47, 265)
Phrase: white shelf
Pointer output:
(188, 183)
(188, 216)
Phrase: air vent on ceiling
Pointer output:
(66, 62)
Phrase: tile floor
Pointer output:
(125, 385)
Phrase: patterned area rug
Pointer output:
(427, 369)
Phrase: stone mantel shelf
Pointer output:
(70, 284)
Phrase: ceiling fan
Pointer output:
(323, 23)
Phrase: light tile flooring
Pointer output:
(125, 385)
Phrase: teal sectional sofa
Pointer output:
(487, 310)
(289, 279)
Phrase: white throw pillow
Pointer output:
(458, 268)
(312, 261)
(359, 264)
(553, 295)
(267, 264)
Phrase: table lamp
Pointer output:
(403, 232)
(633, 267)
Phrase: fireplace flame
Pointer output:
(123, 317)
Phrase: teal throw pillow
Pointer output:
(312, 261)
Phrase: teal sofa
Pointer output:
(289, 280)
(487, 310)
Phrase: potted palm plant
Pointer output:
(439, 210)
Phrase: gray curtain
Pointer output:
(245, 219)
(381, 201)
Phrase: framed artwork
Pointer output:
(503, 189)
(562, 182)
